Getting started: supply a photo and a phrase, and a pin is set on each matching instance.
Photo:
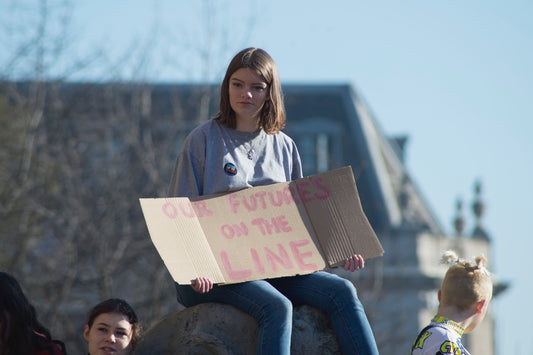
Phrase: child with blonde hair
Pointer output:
(464, 296)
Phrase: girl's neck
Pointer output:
(249, 125)
(463, 318)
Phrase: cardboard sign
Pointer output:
(282, 229)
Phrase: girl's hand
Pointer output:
(202, 285)
(354, 262)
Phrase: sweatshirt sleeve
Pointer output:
(188, 175)
(297, 171)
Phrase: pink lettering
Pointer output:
(259, 222)
(189, 212)
(274, 260)
(169, 210)
(317, 182)
(200, 207)
(282, 224)
(282, 258)
(233, 274)
(235, 230)
(227, 231)
(233, 202)
(304, 193)
(271, 226)
(288, 195)
(279, 196)
(261, 196)
(295, 245)
(257, 262)
(252, 206)
(275, 225)
(293, 195)
(264, 200)
(240, 229)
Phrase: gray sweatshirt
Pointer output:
(215, 158)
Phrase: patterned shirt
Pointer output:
(441, 336)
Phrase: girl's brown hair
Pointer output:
(272, 117)
(465, 283)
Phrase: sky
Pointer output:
(455, 76)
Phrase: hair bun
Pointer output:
(449, 257)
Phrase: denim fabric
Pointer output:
(270, 303)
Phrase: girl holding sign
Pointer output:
(243, 146)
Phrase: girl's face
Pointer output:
(247, 95)
(110, 334)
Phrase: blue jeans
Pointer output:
(270, 302)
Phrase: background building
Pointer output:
(73, 180)
(334, 127)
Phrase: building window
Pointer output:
(322, 153)
(319, 143)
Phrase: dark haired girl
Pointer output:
(20, 331)
(112, 328)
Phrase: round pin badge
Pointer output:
(230, 169)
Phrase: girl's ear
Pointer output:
(480, 305)
(439, 295)
(86, 333)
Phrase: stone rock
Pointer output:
(214, 328)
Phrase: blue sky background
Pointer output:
(456, 76)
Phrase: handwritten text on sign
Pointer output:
(263, 235)
(277, 230)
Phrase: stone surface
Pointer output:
(214, 328)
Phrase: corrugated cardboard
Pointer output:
(282, 229)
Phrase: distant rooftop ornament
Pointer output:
(478, 207)
(403, 196)
(459, 221)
